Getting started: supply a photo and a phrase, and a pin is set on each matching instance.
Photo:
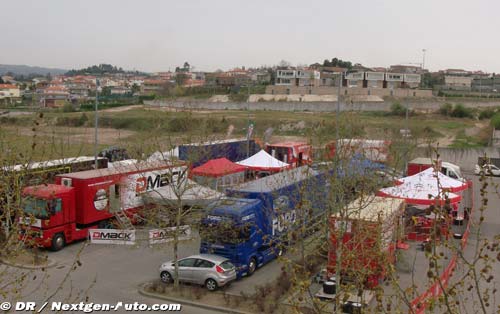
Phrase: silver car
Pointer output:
(211, 271)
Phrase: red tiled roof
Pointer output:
(8, 86)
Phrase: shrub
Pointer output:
(461, 112)
(495, 121)
(397, 109)
(486, 114)
(446, 109)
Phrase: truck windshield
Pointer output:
(40, 208)
(224, 232)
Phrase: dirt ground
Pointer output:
(107, 136)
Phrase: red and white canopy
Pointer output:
(432, 178)
(263, 161)
(419, 194)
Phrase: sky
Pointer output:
(158, 35)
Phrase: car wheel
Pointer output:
(481, 173)
(166, 277)
(58, 242)
(211, 284)
(252, 266)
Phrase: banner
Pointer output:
(167, 234)
(112, 236)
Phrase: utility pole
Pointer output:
(423, 59)
(96, 121)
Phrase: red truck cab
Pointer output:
(64, 212)
(294, 153)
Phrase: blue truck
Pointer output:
(252, 224)
(232, 149)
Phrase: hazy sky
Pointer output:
(158, 35)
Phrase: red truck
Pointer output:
(60, 213)
(369, 230)
(374, 150)
(294, 153)
(447, 168)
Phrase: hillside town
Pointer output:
(311, 82)
(157, 156)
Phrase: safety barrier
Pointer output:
(420, 303)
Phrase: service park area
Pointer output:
(108, 274)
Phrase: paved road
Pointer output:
(108, 274)
(488, 230)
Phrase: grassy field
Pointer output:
(144, 130)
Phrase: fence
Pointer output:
(422, 302)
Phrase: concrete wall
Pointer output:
(332, 90)
(466, 158)
(320, 106)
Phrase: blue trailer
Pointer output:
(234, 150)
(251, 225)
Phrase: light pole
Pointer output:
(423, 59)
(96, 120)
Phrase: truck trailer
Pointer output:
(60, 213)
(294, 153)
(233, 149)
(251, 226)
(447, 168)
(370, 228)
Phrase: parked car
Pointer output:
(487, 169)
(211, 271)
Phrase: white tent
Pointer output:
(419, 194)
(263, 161)
(191, 194)
(432, 178)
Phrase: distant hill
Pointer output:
(27, 70)
(101, 69)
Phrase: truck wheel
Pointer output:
(211, 284)
(252, 266)
(58, 242)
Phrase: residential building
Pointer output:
(374, 79)
(454, 82)
(405, 69)
(153, 86)
(9, 91)
(53, 96)
(298, 77)
(120, 90)
(394, 80)
(489, 84)
(261, 77)
(355, 79)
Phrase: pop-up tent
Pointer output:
(219, 173)
(191, 194)
(435, 178)
(262, 161)
(419, 194)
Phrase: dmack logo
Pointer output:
(164, 234)
(152, 182)
(111, 235)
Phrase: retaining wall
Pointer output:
(320, 106)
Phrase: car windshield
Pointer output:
(224, 232)
(36, 207)
(227, 265)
